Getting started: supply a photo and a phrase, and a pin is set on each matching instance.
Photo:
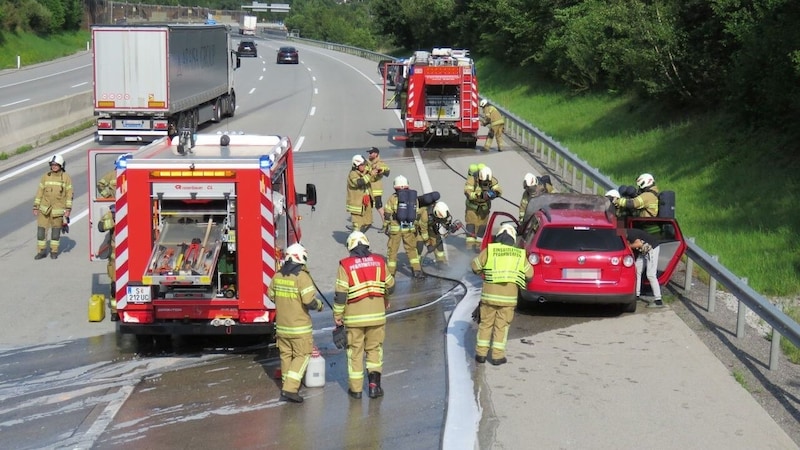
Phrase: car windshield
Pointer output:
(580, 239)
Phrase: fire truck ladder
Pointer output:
(466, 100)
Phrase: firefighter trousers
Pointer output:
(362, 222)
(493, 330)
(475, 225)
(295, 353)
(433, 242)
(497, 132)
(361, 340)
(43, 222)
(409, 239)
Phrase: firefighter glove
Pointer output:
(491, 193)
(65, 225)
(476, 314)
(319, 306)
(490, 134)
(340, 337)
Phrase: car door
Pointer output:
(493, 226)
(672, 246)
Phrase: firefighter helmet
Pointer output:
(612, 194)
(355, 238)
(484, 102)
(57, 159)
(473, 169)
(645, 181)
(297, 253)
(358, 160)
(530, 180)
(400, 182)
(508, 229)
(485, 174)
(440, 210)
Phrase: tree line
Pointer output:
(741, 55)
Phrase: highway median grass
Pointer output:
(736, 189)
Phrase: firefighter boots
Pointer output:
(53, 255)
(480, 359)
(375, 389)
(293, 397)
(355, 395)
(499, 361)
(42, 253)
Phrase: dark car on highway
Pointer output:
(247, 48)
(579, 253)
(288, 55)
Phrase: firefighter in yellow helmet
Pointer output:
(401, 218)
(52, 206)
(106, 225)
(505, 270)
(378, 170)
(479, 192)
(359, 197)
(294, 294)
(363, 284)
(492, 118)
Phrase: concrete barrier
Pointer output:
(34, 125)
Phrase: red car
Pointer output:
(578, 252)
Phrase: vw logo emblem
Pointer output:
(581, 260)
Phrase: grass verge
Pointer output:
(33, 49)
(58, 136)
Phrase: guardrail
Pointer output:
(579, 176)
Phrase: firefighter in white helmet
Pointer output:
(52, 206)
(440, 224)
(294, 294)
(492, 118)
(644, 204)
(359, 194)
(401, 216)
(363, 284)
(533, 186)
(505, 270)
(479, 192)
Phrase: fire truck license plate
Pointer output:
(139, 294)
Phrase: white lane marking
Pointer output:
(261, 78)
(14, 103)
(463, 410)
(252, 90)
(106, 416)
(38, 164)
(79, 84)
(299, 144)
(45, 76)
(316, 91)
(313, 110)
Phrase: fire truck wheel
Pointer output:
(144, 344)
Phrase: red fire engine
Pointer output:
(200, 224)
(437, 93)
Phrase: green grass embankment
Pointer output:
(737, 190)
(33, 49)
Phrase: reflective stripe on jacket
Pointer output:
(293, 296)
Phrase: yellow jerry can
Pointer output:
(97, 308)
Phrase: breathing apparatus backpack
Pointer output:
(406, 206)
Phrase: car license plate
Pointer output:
(581, 274)
(139, 294)
(136, 124)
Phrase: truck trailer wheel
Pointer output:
(217, 111)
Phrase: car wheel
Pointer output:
(629, 307)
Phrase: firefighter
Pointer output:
(359, 200)
(439, 225)
(492, 118)
(505, 270)
(360, 302)
(645, 203)
(106, 225)
(107, 185)
(378, 170)
(293, 292)
(533, 186)
(52, 206)
(400, 219)
(479, 193)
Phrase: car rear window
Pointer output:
(579, 239)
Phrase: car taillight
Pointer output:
(533, 258)
(615, 260)
(627, 261)
(547, 259)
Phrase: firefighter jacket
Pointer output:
(107, 186)
(478, 197)
(362, 284)
(393, 224)
(294, 295)
(529, 193)
(54, 195)
(358, 191)
(492, 117)
(644, 205)
(376, 181)
(433, 228)
(106, 224)
(505, 269)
